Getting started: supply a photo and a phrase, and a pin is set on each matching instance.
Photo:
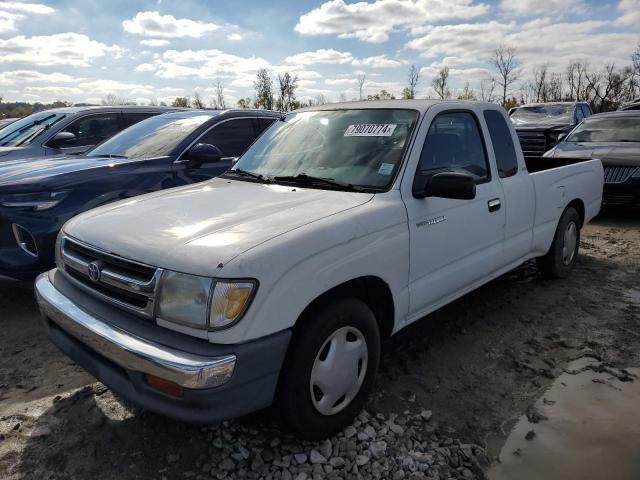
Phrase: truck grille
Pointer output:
(614, 174)
(533, 144)
(129, 285)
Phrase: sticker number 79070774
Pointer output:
(370, 130)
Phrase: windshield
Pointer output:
(361, 148)
(150, 138)
(23, 132)
(621, 129)
(534, 113)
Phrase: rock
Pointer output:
(243, 452)
(300, 458)
(350, 431)
(257, 463)
(173, 457)
(227, 464)
(398, 474)
(316, 458)
(426, 415)
(362, 460)
(466, 473)
(302, 476)
(337, 462)
(370, 431)
(397, 429)
(326, 448)
(362, 436)
(378, 449)
(530, 434)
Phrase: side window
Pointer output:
(579, 113)
(129, 118)
(233, 137)
(586, 111)
(454, 142)
(93, 129)
(505, 151)
(264, 123)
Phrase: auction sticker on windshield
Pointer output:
(370, 130)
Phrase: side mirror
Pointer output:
(203, 152)
(63, 139)
(562, 136)
(454, 185)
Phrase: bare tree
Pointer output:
(264, 90)
(197, 101)
(361, 79)
(153, 102)
(507, 64)
(441, 83)
(342, 97)
(487, 87)
(634, 79)
(218, 101)
(409, 92)
(320, 99)
(467, 93)
(539, 83)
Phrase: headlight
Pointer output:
(201, 302)
(38, 201)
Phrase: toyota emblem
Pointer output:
(94, 271)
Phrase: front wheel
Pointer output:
(561, 257)
(329, 370)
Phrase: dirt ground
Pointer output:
(477, 364)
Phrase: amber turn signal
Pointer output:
(165, 386)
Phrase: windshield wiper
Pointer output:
(107, 155)
(245, 173)
(303, 178)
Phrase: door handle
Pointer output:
(494, 205)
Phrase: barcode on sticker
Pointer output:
(370, 130)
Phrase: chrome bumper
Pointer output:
(129, 351)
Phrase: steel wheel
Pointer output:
(339, 370)
(570, 242)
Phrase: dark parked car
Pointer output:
(69, 130)
(539, 125)
(37, 196)
(615, 139)
(6, 122)
(632, 105)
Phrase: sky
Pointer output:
(82, 50)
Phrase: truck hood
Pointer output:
(23, 171)
(198, 228)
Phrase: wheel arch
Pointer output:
(372, 290)
(578, 204)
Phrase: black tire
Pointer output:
(294, 404)
(554, 264)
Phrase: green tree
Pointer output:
(441, 84)
(264, 90)
(183, 102)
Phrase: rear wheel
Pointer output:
(561, 257)
(330, 369)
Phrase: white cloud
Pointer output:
(234, 37)
(630, 10)
(153, 24)
(321, 55)
(73, 49)
(18, 77)
(541, 7)
(145, 67)
(12, 12)
(378, 61)
(374, 21)
(52, 91)
(155, 42)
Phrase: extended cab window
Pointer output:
(454, 142)
(93, 129)
(505, 151)
(232, 137)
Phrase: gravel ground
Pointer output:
(451, 386)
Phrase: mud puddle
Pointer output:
(586, 426)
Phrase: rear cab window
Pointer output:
(502, 141)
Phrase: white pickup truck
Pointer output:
(277, 282)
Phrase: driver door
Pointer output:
(453, 243)
(232, 137)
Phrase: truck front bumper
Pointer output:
(219, 381)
